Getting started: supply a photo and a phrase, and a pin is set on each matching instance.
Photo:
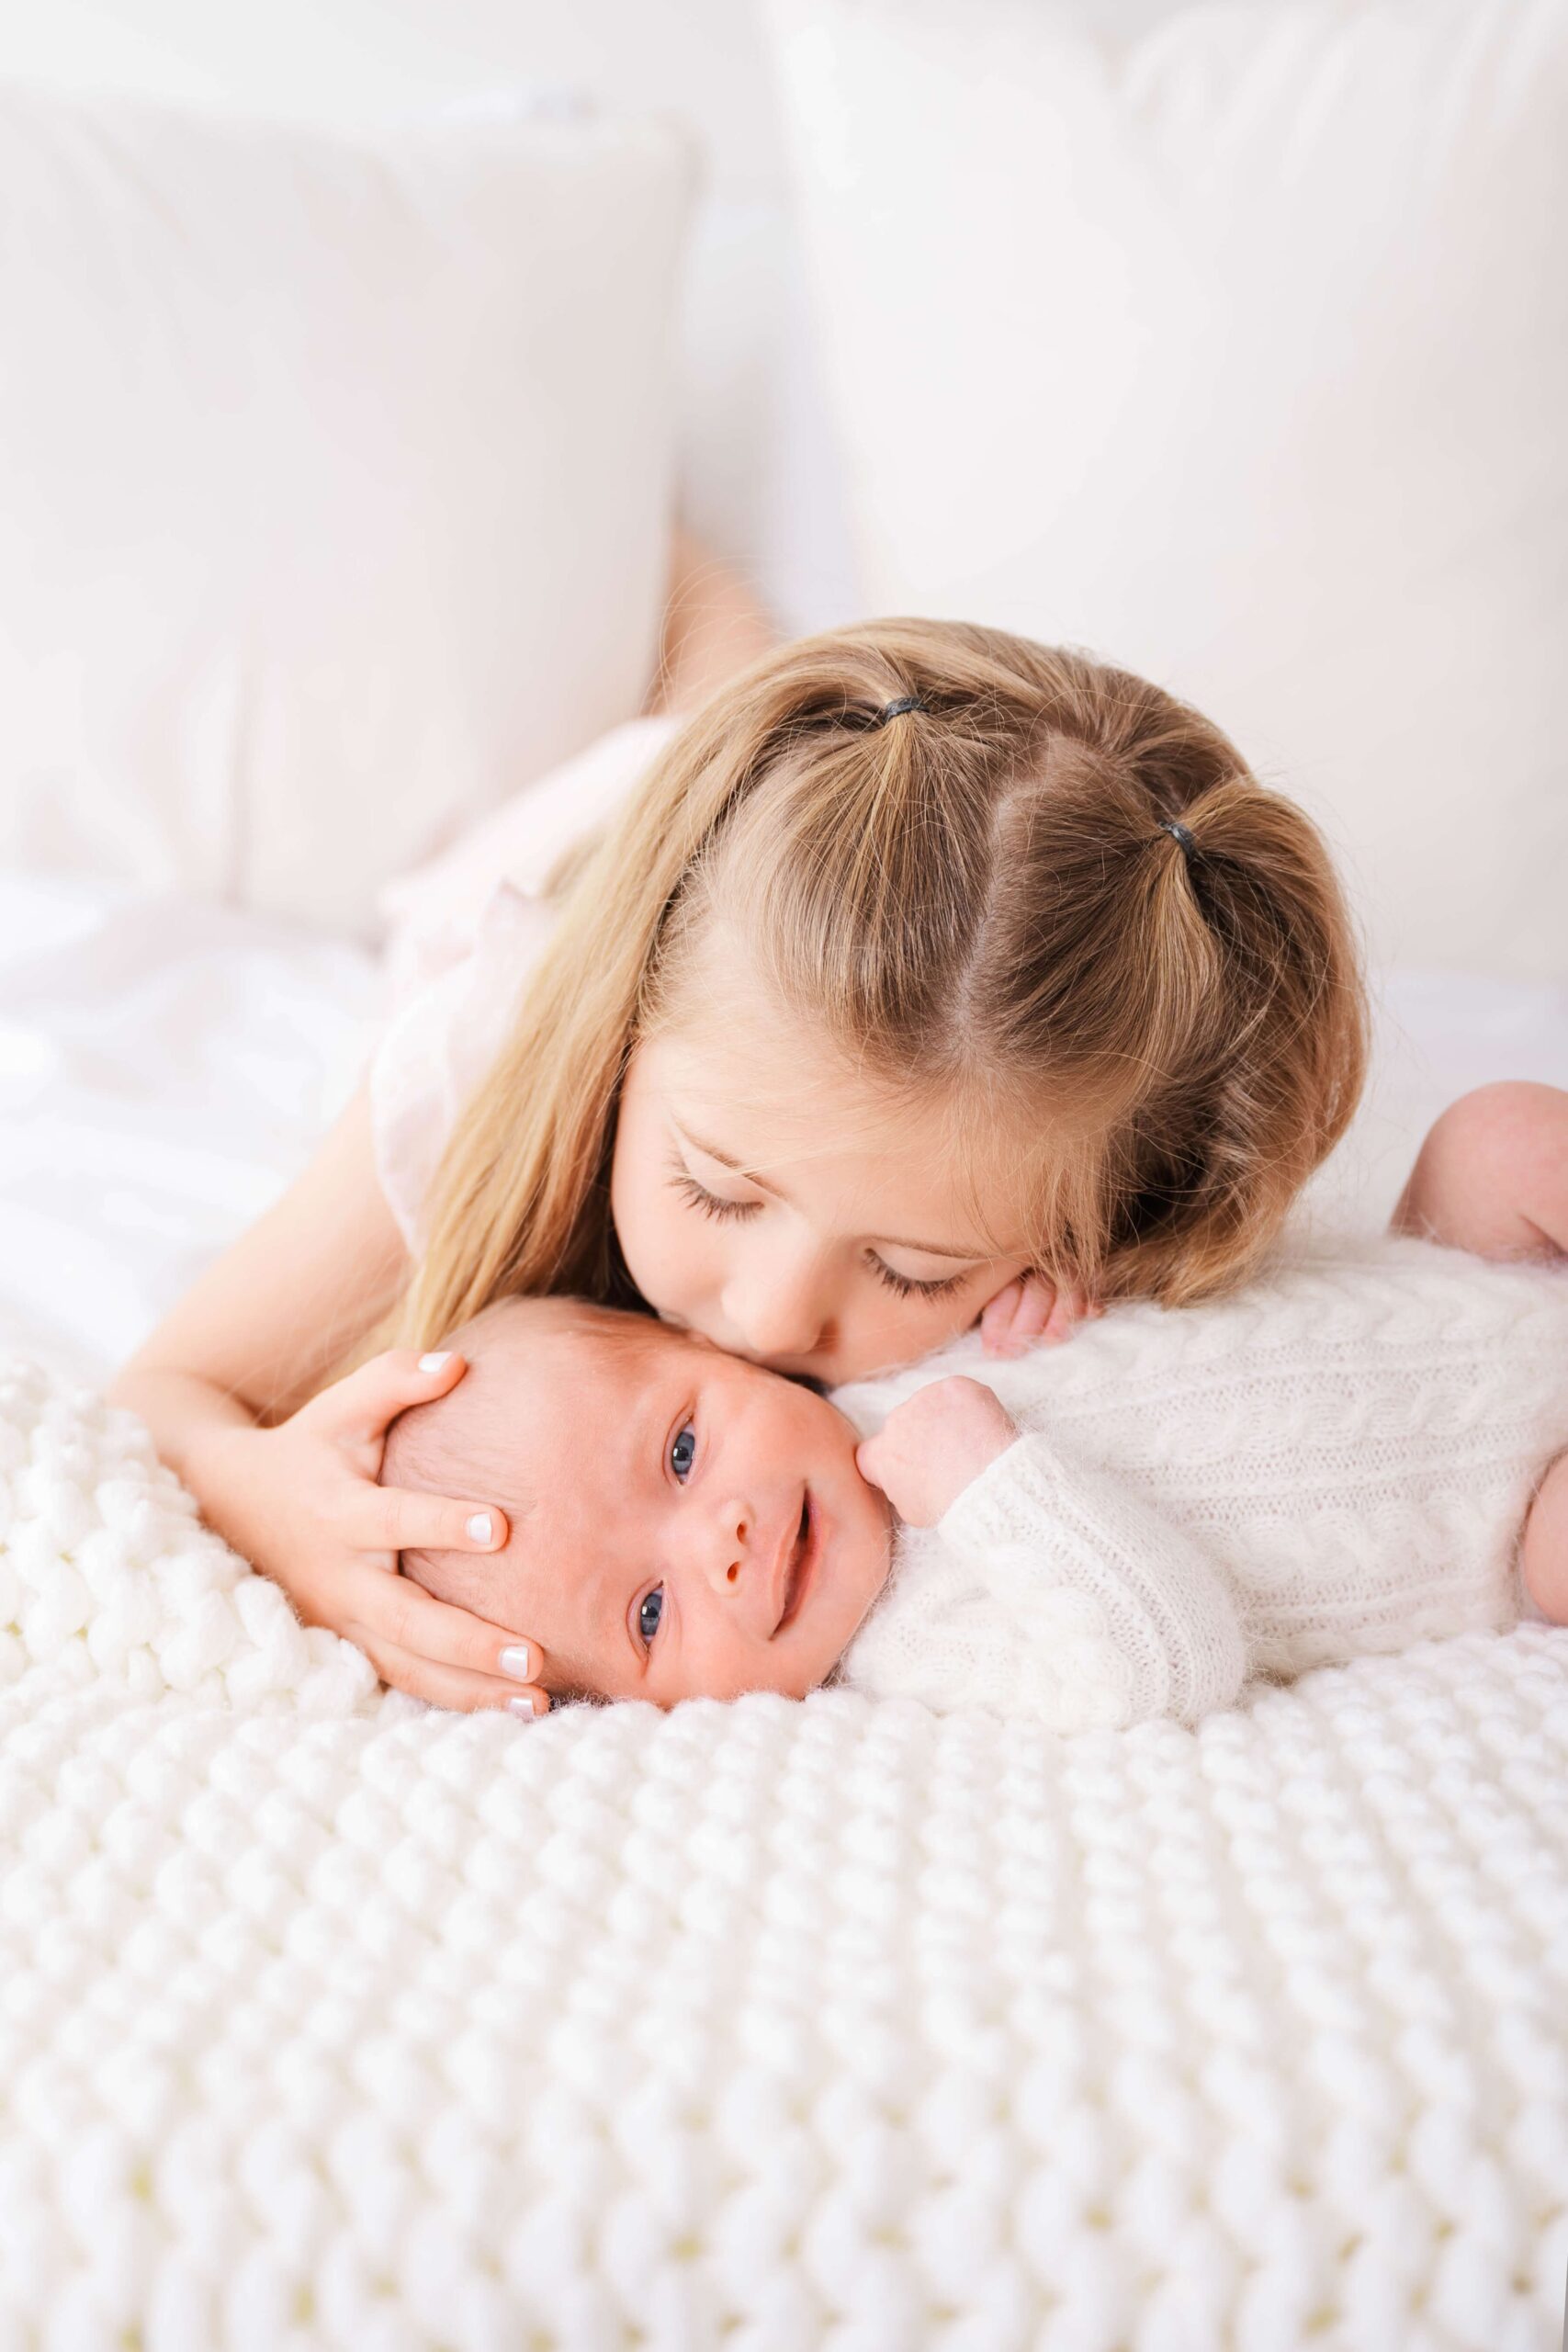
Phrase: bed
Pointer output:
(329, 2022)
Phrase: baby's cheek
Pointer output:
(790, 1678)
(720, 1669)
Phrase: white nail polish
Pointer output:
(518, 1662)
(521, 1706)
(438, 1363)
(480, 1527)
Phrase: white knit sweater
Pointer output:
(1335, 1462)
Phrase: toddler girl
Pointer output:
(1337, 1461)
(932, 979)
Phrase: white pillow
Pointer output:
(1238, 352)
(334, 481)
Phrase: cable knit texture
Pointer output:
(1062, 1595)
(329, 2022)
(1337, 1462)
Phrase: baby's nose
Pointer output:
(728, 1548)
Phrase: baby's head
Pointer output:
(683, 1523)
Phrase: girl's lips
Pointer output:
(802, 1566)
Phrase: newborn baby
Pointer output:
(1339, 1461)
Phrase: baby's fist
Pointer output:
(934, 1445)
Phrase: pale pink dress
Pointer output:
(465, 933)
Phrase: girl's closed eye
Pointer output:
(906, 1286)
(712, 1204)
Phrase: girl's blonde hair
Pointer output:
(983, 891)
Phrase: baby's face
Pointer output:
(697, 1524)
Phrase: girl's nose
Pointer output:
(778, 1316)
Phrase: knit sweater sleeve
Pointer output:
(1116, 1613)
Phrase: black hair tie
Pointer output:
(1178, 835)
(896, 710)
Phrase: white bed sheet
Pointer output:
(166, 1067)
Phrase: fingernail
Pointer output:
(481, 1527)
(438, 1363)
(523, 1706)
(518, 1662)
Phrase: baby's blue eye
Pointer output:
(649, 1611)
(683, 1452)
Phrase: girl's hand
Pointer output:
(300, 1503)
(1031, 1310)
(934, 1445)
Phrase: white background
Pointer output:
(347, 61)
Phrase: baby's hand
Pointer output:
(1030, 1309)
(934, 1445)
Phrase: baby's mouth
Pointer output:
(802, 1565)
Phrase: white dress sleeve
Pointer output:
(434, 915)
(467, 933)
(1114, 1615)
(433, 1053)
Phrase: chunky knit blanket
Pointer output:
(326, 2021)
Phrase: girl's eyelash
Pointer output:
(711, 1205)
(904, 1286)
(698, 1195)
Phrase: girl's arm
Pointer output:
(228, 1386)
(714, 627)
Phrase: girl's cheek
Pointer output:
(648, 1221)
(672, 1260)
